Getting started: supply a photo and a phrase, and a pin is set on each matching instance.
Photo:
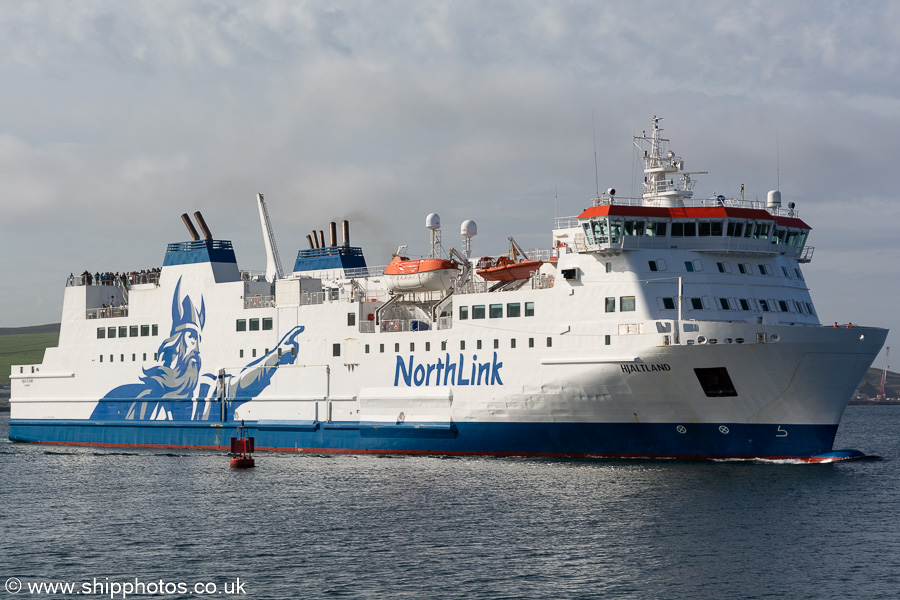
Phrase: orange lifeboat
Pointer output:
(503, 269)
(420, 275)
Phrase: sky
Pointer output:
(116, 117)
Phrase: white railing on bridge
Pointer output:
(106, 313)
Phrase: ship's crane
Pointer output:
(881, 394)
(273, 261)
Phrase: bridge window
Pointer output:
(496, 311)
(463, 313)
(351, 320)
(514, 310)
(529, 309)
(626, 303)
(611, 304)
(111, 332)
(478, 311)
(657, 229)
(123, 331)
(634, 227)
(133, 331)
(267, 323)
(101, 333)
(615, 232)
(254, 324)
(735, 229)
(145, 330)
(241, 325)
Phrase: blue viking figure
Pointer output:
(176, 389)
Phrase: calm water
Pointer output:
(417, 527)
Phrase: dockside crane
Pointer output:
(881, 394)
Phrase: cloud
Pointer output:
(119, 117)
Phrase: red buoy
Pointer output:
(241, 449)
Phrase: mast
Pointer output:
(273, 261)
(660, 185)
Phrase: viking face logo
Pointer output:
(179, 354)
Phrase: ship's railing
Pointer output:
(312, 298)
(114, 279)
(542, 254)
(106, 313)
(565, 222)
(727, 244)
(367, 327)
(363, 272)
(718, 200)
(391, 325)
(258, 301)
(806, 254)
(253, 275)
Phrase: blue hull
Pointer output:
(526, 439)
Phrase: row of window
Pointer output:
(495, 311)
(725, 267)
(604, 231)
(749, 304)
(112, 357)
(241, 324)
(127, 331)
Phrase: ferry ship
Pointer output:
(657, 326)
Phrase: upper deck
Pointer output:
(717, 225)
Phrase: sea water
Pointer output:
(182, 524)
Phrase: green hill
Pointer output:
(17, 348)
